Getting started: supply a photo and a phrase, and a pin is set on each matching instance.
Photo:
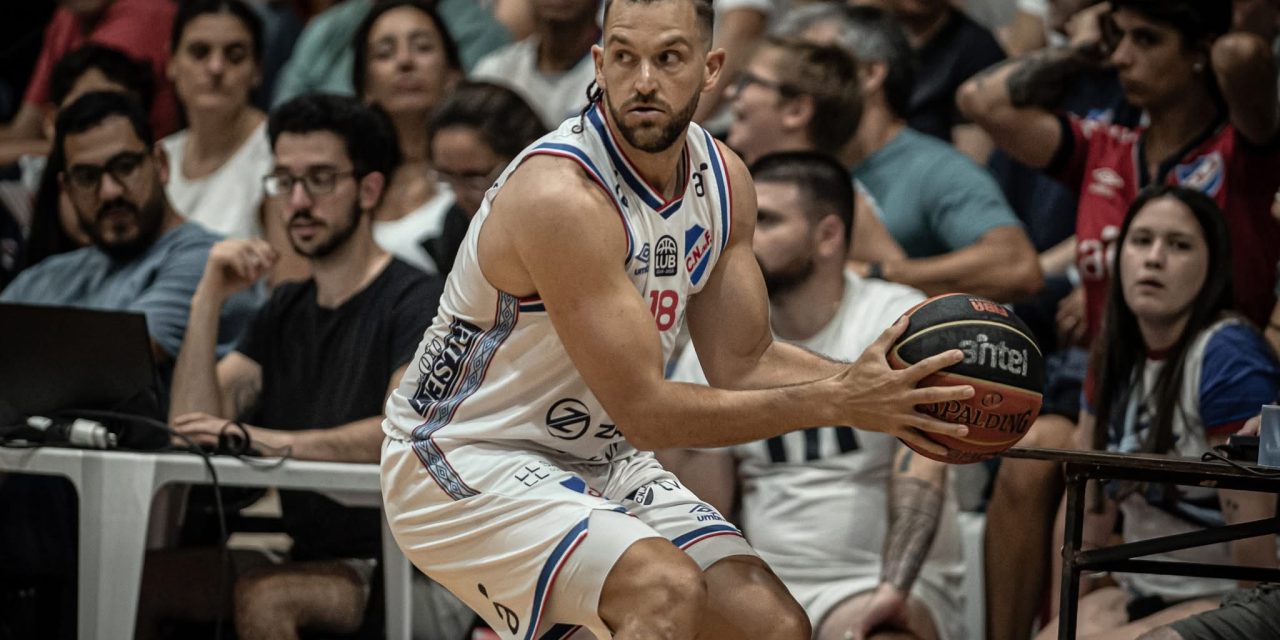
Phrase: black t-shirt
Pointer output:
(329, 367)
(959, 50)
(444, 247)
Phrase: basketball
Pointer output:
(1002, 362)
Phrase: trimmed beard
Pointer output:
(341, 235)
(786, 279)
(666, 136)
(148, 219)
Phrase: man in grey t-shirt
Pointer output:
(144, 257)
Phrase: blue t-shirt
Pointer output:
(159, 283)
(934, 199)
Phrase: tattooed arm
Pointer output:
(916, 493)
(1012, 100)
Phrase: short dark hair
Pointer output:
(1195, 20)
(502, 118)
(704, 10)
(360, 42)
(366, 131)
(870, 34)
(116, 65)
(90, 109)
(829, 76)
(189, 10)
(824, 184)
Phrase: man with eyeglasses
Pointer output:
(144, 257)
(307, 379)
(800, 96)
(946, 212)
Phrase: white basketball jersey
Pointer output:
(491, 367)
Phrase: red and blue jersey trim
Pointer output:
(724, 188)
(532, 304)
(547, 578)
(698, 535)
(641, 187)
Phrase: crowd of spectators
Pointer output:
(281, 187)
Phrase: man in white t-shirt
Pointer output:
(814, 502)
(552, 68)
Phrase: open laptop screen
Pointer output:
(55, 359)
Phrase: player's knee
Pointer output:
(789, 622)
(672, 585)
(677, 585)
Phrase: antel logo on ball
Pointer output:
(982, 352)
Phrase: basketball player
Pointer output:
(506, 473)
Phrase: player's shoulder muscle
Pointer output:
(549, 206)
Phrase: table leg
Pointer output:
(397, 575)
(1071, 538)
(115, 497)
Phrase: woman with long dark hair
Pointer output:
(1177, 372)
(406, 63)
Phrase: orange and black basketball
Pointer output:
(1002, 362)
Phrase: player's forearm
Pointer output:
(784, 364)
(195, 377)
(359, 441)
(680, 415)
(916, 494)
(1003, 268)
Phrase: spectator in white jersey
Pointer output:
(809, 498)
(511, 473)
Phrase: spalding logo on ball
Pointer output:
(1002, 362)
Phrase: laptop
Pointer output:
(64, 360)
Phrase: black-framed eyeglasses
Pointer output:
(123, 167)
(471, 180)
(746, 78)
(316, 182)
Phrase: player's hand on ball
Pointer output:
(884, 399)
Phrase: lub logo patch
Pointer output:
(666, 255)
(697, 252)
(1204, 174)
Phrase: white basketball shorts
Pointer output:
(529, 551)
